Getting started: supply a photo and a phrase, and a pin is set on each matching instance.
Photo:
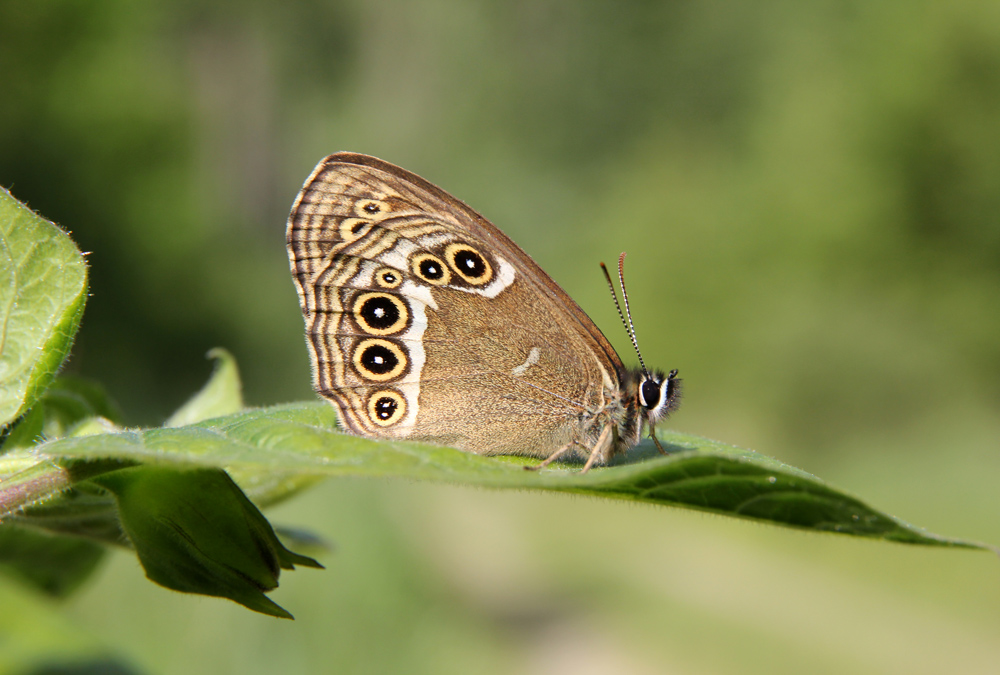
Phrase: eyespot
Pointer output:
(380, 313)
(430, 268)
(379, 360)
(354, 228)
(388, 277)
(366, 208)
(386, 407)
(469, 264)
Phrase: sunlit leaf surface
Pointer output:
(43, 284)
(302, 439)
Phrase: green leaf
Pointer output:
(83, 510)
(699, 474)
(70, 406)
(196, 532)
(26, 431)
(71, 399)
(43, 287)
(221, 395)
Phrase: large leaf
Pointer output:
(43, 286)
(195, 531)
(700, 474)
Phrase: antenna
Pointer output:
(614, 294)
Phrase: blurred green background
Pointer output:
(810, 197)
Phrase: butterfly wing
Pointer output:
(424, 321)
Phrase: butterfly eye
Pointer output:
(649, 394)
(469, 264)
(388, 278)
(386, 407)
(380, 313)
(431, 269)
(379, 360)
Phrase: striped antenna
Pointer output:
(627, 323)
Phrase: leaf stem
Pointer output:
(32, 485)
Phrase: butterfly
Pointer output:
(426, 322)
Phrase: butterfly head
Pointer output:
(659, 394)
(656, 394)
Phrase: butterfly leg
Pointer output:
(652, 434)
(598, 449)
(553, 457)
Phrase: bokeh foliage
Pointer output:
(809, 194)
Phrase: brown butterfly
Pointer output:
(425, 322)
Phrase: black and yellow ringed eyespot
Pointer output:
(469, 264)
(379, 360)
(386, 407)
(354, 228)
(388, 277)
(430, 268)
(366, 208)
(380, 313)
